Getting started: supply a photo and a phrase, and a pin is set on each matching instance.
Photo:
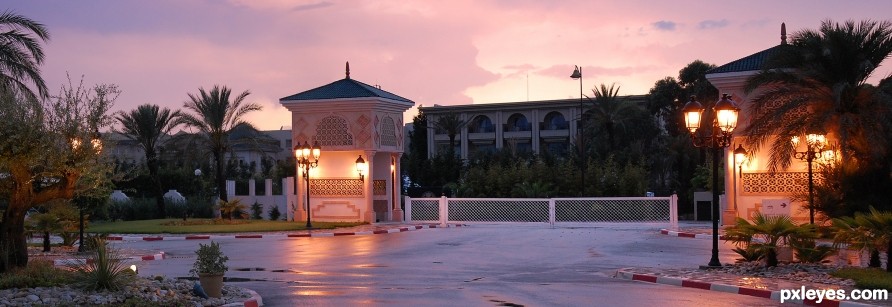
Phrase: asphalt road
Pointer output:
(480, 265)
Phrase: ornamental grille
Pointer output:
(496, 210)
(786, 183)
(336, 187)
(332, 131)
(612, 210)
(388, 132)
(379, 187)
(425, 209)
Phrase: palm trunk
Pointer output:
(889, 256)
(46, 241)
(152, 162)
(771, 258)
(221, 180)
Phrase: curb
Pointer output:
(278, 236)
(254, 301)
(772, 295)
(689, 235)
(76, 261)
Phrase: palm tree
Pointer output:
(867, 231)
(451, 124)
(766, 233)
(21, 54)
(823, 86)
(215, 117)
(608, 112)
(231, 208)
(146, 125)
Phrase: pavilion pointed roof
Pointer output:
(345, 88)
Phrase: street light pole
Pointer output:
(814, 143)
(577, 74)
(303, 154)
(724, 121)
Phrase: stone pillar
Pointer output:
(397, 213)
(368, 186)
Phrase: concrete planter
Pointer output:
(212, 284)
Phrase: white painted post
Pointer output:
(444, 210)
(551, 212)
(673, 211)
(252, 187)
(408, 209)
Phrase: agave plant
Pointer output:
(766, 233)
(107, 270)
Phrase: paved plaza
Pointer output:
(477, 265)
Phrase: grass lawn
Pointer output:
(867, 278)
(204, 226)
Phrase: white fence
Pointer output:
(544, 210)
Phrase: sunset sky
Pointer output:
(432, 52)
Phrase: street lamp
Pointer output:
(739, 158)
(303, 154)
(814, 145)
(200, 188)
(360, 167)
(724, 121)
(577, 74)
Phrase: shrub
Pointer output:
(274, 213)
(106, 271)
(770, 232)
(232, 208)
(749, 253)
(809, 252)
(38, 273)
(256, 211)
(210, 260)
(866, 278)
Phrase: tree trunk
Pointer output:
(221, 180)
(152, 163)
(874, 261)
(46, 241)
(13, 245)
(889, 256)
(771, 258)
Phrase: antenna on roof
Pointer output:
(783, 33)
(348, 70)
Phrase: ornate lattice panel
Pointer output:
(425, 209)
(333, 131)
(336, 187)
(781, 183)
(379, 187)
(498, 210)
(388, 132)
(612, 210)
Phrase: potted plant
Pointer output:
(210, 265)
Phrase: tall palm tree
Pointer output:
(21, 54)
(216, 115)
(451, 124)
(146, 125)
(608, 113)
(819, 82)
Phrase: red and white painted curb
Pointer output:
(689, 235)
(254, 301)
(773, 295)
(78, 261)
(290, 235)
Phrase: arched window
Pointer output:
(388, 132)
(333, 131)
(481, 124)
(554, 121)
(517, 122)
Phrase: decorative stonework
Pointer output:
(336, 187)
(333, 131)
(362, 121)
(388, 132)
(785, 183)
(379, 187)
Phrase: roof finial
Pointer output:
(348, 69)
(783, 33)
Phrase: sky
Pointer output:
(431, 52)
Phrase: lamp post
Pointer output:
(739, 157)
(303, 154)
(200, 188)
(577, 74)
(724, 121)
(814, 144)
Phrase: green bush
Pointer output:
(38, 273)
(256, 211)
(274, 213)
(145, 208)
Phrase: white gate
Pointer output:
(544, 210)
